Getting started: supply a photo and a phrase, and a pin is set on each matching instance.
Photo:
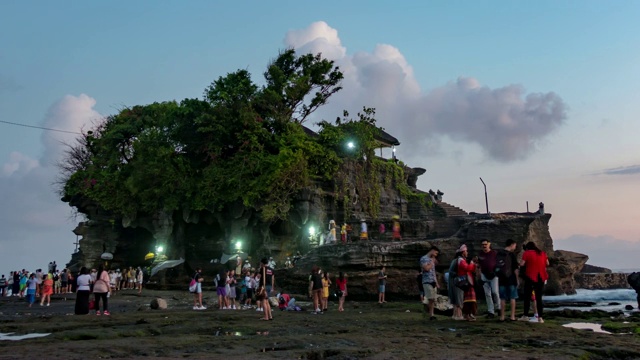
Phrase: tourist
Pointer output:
(429, 280)
(343, 233)
(131, 278)
(382, 232)
(315, 288)
(536, 262)
(70, 280)
(332, 232)
(508, 278)
(47, 289)
(382, 282)
(39, 277)
(341, 283)
(487, 262)
(231, 290)
(16, 284)
(634, 281)
(220, 283)
(250, 282)
(23, 282)
(101, 289)
(9, 290)
(420, 286)
(258, 281)
(118, 279)
(326, 282)
(139, 279)
(267, 281)
(83, 292)
(468, 268)
(396, 228)
(57, 282)
(456, 295)
(113, 281)
(32, 285)
(267, 276)
(197, 295)
(3, 285)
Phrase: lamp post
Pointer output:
(486, 199)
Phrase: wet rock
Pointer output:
(628, 307)
(158, 304)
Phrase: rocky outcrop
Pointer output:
(602, 281)
(592, 269)
(564, 265)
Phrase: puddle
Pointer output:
(8, 336)
(587, 326)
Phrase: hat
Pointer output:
(462, 248)
(246, 261)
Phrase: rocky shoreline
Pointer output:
(366, 330)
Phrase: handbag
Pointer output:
(461, 282)
(339, 293)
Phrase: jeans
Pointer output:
(491, 293)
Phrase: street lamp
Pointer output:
(159, 249)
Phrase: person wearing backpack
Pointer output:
(487, 261)
(507, 273)
(197, 295)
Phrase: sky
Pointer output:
(538, 98)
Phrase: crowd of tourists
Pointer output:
(240, 286)
(40, 285)
(498, 272)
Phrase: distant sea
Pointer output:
(602, 298)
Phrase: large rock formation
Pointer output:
(362, 260)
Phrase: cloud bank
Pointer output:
(33, 219)
(507, 123)
(623, 170)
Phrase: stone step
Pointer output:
(451, 210)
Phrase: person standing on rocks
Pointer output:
(382, 283)
(429, 280)
(634, 281)
(536, 276)
(266, 281)
(487, 261)
(507, 273)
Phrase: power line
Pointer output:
(40, 127)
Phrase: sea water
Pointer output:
(601, 298)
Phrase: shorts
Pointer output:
(221, 291)
(198, 288)
(249, 293)
(268, 288)
(430, 292)
(508, 292)
(381, 289)
(64, 284)
(232, 292)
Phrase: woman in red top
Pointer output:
(341, 283)
(535, 262)
(468, 268)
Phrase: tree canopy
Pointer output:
(241, 142)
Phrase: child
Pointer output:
(250, 282)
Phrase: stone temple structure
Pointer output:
(200, 236)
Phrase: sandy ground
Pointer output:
(365, 330)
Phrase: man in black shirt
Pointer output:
(507, 272)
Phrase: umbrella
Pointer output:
(166, 265)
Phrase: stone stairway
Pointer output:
(451, 210)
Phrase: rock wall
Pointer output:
(602, 281)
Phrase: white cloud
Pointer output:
(507, 123)
(72, 113)
(18, 163)
(35, 223)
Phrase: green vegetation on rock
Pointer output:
(242, 143)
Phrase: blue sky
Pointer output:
(419, 63)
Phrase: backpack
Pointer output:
(504, 268)
(193, 285)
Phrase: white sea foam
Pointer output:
(9, 336)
